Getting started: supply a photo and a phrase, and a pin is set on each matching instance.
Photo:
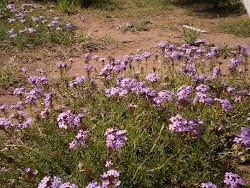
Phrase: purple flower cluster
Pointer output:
(225, 104)
(115, 138)
(81, 138)
(4, 123)
(68, 120)
(163, 97)
(183, 95)
(31, 173)
(117, 91)
(233, 179)
(180, 124)
(38, 80)
(111, 177)
(208, 185)
(48, 99)
(55, 182)
(45, 112)
(202, 94)
(19, 91)
(243, 137)
(154, 77)
(77, 81)
(33, 96)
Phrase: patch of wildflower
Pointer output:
(208, 185)
(111, 177)
(81, 138)
(183, 95)
(24, 19)
(225, 104)
(154, 77)
(243, 137)
(31, 173)
(180, 124)
(233, 179)
(47, 181)
(115, 138)
(68, 120)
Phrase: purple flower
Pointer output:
(216, 72)
(77, 81)
(154, 77)
(225, 104)
(146, 55)
(202, 88)
(40, 70)
(31, 30)
(205, 98)
(233, 179)
(180, 124)
(24, 69)
(4, 122)
(11, 31)
(88, 68)
(19, 105)
(31, 173)
(92, 185)
(44, 181)
(111, 173)
(10, 6)
(47, 181)
(10, 20)
(70, 25)
(71, 60)
(132, 106)
(243, 137)
(128, 24)
(45, 112)
(183, 95)
(115, 138)
(61, 65)
(22, 20)
(59, 29)
(162, 44)
(108, 164)
(65, 119)
(19, 91)
(208, 185)
(236, 61)
(116, 91)
(35, 19)
(163, 97)
(13, 36)
(47, 99)
(87, 56)
(82, 137)
(38, 80)
(73, 145)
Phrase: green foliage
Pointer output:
(190, 36)
(156, 5)
(7, 76)
(67, 6)
(239, 28)
(137, 26)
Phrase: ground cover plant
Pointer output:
(179, 117)
(33, 25)
(240, 28)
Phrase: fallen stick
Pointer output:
(192, 28)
